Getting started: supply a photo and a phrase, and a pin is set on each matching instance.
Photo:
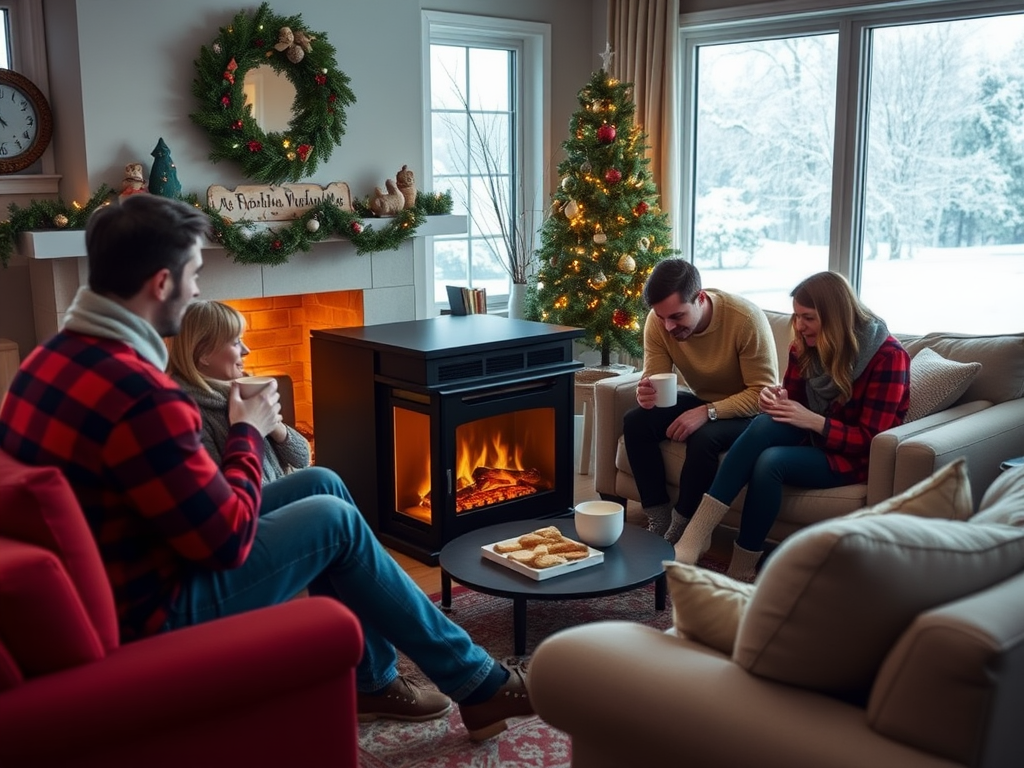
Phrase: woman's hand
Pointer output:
(787, 411)
(262, 410)
(279, 433)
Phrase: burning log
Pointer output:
(472, 498)
(485, 478)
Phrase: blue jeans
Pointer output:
(767, 456)
(311, 535)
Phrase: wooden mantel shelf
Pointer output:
(70, 244)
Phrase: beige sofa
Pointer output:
(986, 425)
(930, 667)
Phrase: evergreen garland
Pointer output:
(246, 243)
(321, 94)
(47, 214)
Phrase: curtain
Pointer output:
(643, 35)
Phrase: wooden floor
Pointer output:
(429, 577)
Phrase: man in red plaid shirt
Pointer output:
(184, 540)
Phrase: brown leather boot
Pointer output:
(487, 718)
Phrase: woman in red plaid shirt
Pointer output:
(847, 380)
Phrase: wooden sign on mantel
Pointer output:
(266, 202)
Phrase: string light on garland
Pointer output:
(241, 239)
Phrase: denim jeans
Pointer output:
(767, 456)
(644, 430)
(311, 535)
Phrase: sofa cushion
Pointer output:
(42, 621)
(706, 606)
(1002, 362)
(946, 494)
(38, 506)
(1003, 502)
(936, 383)
(834, 598)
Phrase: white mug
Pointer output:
(252, 385)
(666, 387)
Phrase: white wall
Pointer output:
(121, 73)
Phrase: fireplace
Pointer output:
(446, 425)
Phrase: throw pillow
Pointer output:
(936, 383)
(706, 606)
(1003, 502)
(834, 598)
(946, 494)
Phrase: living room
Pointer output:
(118, 76)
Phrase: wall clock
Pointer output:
(26, 124)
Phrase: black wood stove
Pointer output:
(446, 425)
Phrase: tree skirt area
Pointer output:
(529, 742)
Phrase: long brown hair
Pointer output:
(842, 315)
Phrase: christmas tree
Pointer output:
(604, 231)
(163, 179)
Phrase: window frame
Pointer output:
(532, 108)
(853, 23)
(28, 57)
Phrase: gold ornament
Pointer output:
(586, 167)
(644, 244)
(313, 224)
(60, 220)
(627, 264)
(566, 182)
(571, 209)
(598, 281)
(600, 238)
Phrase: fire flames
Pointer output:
(489, 469)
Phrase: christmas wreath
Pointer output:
(318, 113)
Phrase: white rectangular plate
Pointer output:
(539, 574)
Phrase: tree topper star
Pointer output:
(606, 57)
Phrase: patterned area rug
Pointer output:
(529, 742)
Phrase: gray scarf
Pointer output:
(821, 387)
(95, 315)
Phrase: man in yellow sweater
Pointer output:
(722, 347)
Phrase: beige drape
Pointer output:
(643, 35)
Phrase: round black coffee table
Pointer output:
(631, 562)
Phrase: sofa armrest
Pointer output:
(882, 460)
(986, 439)
(229, 691)
(613, 396)
(676, 701)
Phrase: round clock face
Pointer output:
(25, 122)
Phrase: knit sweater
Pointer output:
(727, 364)
(278, 458)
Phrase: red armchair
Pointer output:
(270, 687)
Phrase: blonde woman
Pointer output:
(207, 355)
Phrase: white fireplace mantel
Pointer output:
(70, 244)
(57, 266)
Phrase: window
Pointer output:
(23, 49)
(487, 94)
(886, 145)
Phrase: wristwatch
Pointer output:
(712, 413)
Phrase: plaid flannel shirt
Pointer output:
(880, 399)
(128, 439)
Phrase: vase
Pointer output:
(517, 302)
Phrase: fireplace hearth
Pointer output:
(446, 425)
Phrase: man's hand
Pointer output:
(262, 410)
(687, 423)
(646, 396)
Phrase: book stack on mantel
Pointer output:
(467, 301)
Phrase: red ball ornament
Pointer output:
(606, 134)
(613, 175)
(621, 318)
(357, 227)
(641, 208)
(255, 146)
(276, 245)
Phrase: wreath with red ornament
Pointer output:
(322, 93)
